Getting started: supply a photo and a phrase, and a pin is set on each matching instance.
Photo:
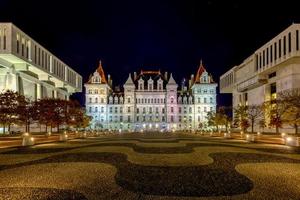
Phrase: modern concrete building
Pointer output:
(150, 100)
(30, 69)
(272, 68)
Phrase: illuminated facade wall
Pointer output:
(272, 68)
(150, 101)
(30, 69)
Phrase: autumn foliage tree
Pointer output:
(291, 115)
(241, 117)
(9, 104)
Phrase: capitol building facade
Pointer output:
(150, 101)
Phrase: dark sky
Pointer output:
(140, 34)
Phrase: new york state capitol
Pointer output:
(150, 101)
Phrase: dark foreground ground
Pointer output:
(150, 166)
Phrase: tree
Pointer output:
(224, 116)
(241, 117)
(9, 103)
(291, 115)
(254, 114)
(211, 119)
(27, 113)
(275, 110)
(77, 117)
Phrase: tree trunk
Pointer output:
(9, 128)
(57, 128)
(277, 129)
(252, 125)
(4, 128)
(46, 128)
(28, 124)
(296, 129)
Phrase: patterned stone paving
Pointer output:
(150, 166)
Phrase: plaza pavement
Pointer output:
(151, 166)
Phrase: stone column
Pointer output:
(55, 94)
(38, 91)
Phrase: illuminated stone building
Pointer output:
(149, 101)
(30, 69)
(273, 68)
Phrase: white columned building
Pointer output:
(30, 69)
(272, 68)
(150, 101)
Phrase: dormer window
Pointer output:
(150, 84)
(96, 79)
(116, 99)
(141, 84)
(110, 100)
(159, 85)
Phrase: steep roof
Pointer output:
(129, 80)
(171, 80)
(100, 72)
(200, 71)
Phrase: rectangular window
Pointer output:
(267, 61)
(256, 67)
(128, 118)
(260, 61)
(22, 47)
(264, 57)
(18, 43)
(39, 58)
(290, 42)
(271, 53)
(272, 75)
(279, 49)
(275, 51)
(4, 39)
(284, 45)
(297, 40)
(35, 54)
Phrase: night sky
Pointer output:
(168, 35)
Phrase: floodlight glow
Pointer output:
(32, 139)
(289, 139)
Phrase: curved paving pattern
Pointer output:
(219, 178)
(27, 193)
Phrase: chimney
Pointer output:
(192, 79)
(134, 76)
(166, 75)
(109, 80)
